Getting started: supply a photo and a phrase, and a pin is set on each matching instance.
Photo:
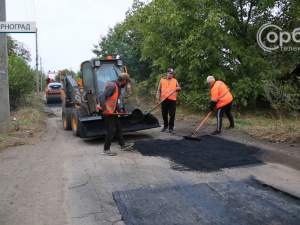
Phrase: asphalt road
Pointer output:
(66, 180)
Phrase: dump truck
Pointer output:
(80, 99)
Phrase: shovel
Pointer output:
(142, 116)
(136, 116)
(160, 102)
(139, 114)
(193, 135)
(136, 113)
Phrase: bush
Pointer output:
(283, 95)
(21, 80)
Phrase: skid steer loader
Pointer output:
(80, 99)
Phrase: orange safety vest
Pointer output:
(111, 102)
(220, 93)
(166, 89)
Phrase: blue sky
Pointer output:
(67, 29)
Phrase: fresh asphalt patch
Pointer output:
(208, 155)
(232, 202)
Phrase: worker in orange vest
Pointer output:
(167, 92)
(109, 104)
(49, 80)
(221, 99)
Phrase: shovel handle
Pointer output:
(127, 114)
(161, 102)
(115, 114)
(204, 121)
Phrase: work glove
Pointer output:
(157, 101)
(123, 113)
(105, 113)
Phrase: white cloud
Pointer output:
(67, 29)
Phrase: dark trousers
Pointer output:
(113, 128)
(168, 107)
(220, 112)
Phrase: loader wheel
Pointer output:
(66, 118)
(76, 114)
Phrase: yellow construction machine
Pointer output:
(80, 99)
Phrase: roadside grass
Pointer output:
(279, 128)
(28, 123)
(266, 125)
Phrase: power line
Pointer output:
(33, 9)
(25, 9)
(29, 10)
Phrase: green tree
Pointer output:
(17, 48)
(64, 73)
(123, 40)
(200, 38)
(21, 80)
(205, 37)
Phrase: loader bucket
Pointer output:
(95, 126)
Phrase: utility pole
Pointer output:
(41, 73)
(4, 89)
(37, 64)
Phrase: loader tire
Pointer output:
(66, 118)
(76, 114)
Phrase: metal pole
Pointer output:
(4, 89)
(37, 64)
(41, 69)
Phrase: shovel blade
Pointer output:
(192, 137)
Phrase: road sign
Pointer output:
(17, 27)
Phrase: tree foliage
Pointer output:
(21, 80)
(64, 73)
(21, 77)
(124, 40)
(204, 37)
(18, 49)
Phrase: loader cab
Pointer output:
(97, 73)
(107, 73)
(88, 77)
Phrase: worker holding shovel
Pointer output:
(167, 93)
(221, 99)
(108, 105)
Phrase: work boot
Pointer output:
(109, 153)
(172, 131)
(216, 132)
(126, 147)
(164, 129)
(230, 127)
